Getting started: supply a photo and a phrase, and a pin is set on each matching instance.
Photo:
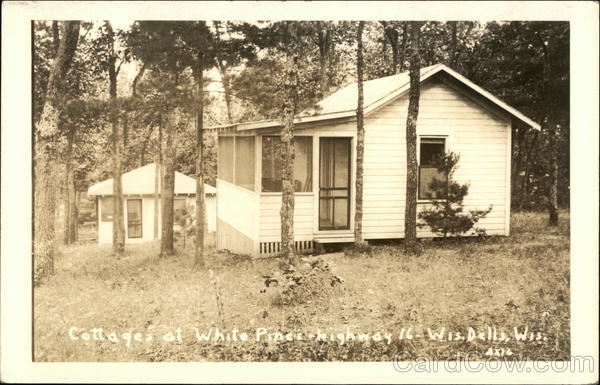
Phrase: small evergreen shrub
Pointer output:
(446, 216)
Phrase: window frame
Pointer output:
(103, 215)
(446, 140)
(141, 218)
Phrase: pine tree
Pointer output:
(445, 216)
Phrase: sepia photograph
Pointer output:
(282, 190)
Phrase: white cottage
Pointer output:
(138, 194)
(454, 114)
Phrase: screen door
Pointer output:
(334, 183)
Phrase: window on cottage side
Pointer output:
(134, 218)
(107, 209)
(429, 175)
(271, 164)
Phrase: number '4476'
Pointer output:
(498, 352)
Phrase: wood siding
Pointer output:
(270, 224)
(237, 212)
(105, 228)
(480, 137)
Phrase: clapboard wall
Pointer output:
(479, 135)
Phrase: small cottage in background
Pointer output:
(454, 115)
(139, 213)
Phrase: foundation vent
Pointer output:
(274, 248)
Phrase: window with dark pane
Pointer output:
(432, 182)
(134, 218)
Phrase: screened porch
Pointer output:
(249, 184)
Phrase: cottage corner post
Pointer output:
(360, 142)
(410, 211)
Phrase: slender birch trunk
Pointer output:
(360, 141)
(157, 176)
(118, 245)
(287, 149)
(168, 185)
(410, 213)
(200, 204)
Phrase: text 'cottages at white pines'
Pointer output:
(138, 193)
(454, 115)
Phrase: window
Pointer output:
(134, 218)
(432, 183)
(271, 164)
(107, 208)
(243, 172)
(225, 161)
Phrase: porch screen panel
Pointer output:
(272, 165)
(244, 162)
(225, 161)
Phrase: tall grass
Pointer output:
(522, 280)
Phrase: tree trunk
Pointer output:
(46, 138)
(200, 204)
(70, 228)
(403, 45)
(392, 36)
(287, 149)
(168, 186)
(75, 218)
(157, 176)
(553, 176)
(226, 89)
(118, 244)
(453, 41)
(550, 131)
(410, 214)
(360, 140)
(325, 41)
(71, 209)
(223, 74)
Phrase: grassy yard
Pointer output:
(502, 282)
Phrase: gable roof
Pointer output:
(379, 92)
(141, 182)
